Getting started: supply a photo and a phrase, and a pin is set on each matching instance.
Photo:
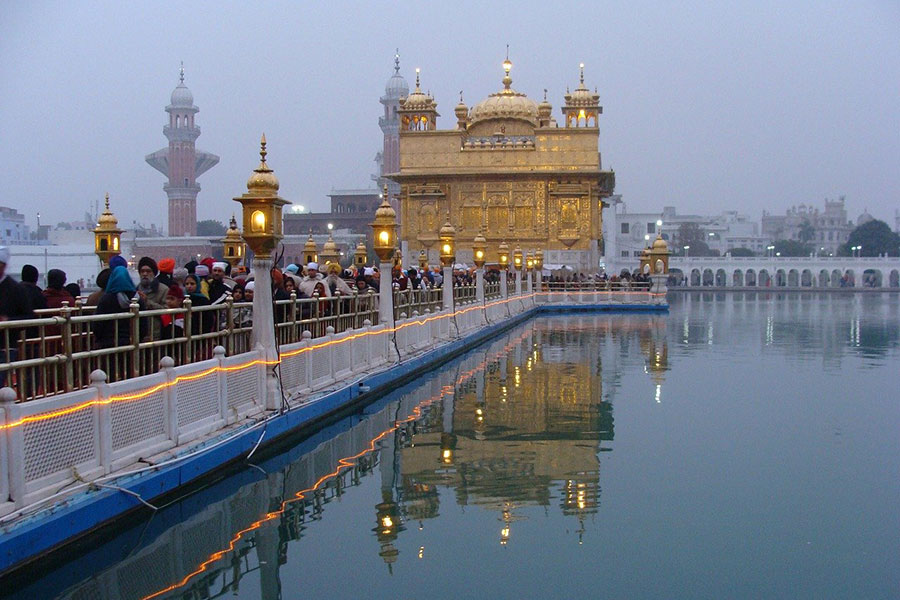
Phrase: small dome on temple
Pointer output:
(181, 95)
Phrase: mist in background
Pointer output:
(746, 106)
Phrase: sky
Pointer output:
(707, 106)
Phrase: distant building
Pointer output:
(830, 227)
(181, 162)
(395, 90)
(352, 210)
(13, 229)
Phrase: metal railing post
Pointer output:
(188, 333)
(67, 346)
(135, 309)
(104, 419)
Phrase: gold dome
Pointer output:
(545, 108)
(418, 100)
(107, 221)
(263, 179)
(505, 104)
(310, 246)
(447, 230)
(461, 109)
(330, 247)
(385, 211)
(361, 247)
(582, 97)
(233, 234)
(660, 244)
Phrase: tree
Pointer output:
(875, 237)
(690, 234)
(742, 252)
(807, 232)
(210, 227)
(792, 248)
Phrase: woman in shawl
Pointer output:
(120, 291)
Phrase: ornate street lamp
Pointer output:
(447, 238)
(539, 267)
(384, 232)
(233, 244)
(262, 209)
(479, 246)
(503, 255)
(107, 235)
(423, 261)
(517, 259)
(359, 256)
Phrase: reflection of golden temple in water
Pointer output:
(516, 426)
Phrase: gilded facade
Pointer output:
(507, 169)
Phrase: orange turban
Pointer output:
(166, 265)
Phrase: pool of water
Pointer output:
(745, 445)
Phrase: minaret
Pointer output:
(395, 89)
(181, 162)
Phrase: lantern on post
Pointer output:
(262, 208)
(503, 255)
(447, 238)
(233, 244)
(330, 252)
(107, 235)
(310, 250)
(384, 229)
(539, 260)
(479, 246)
(529, 261)
(517, 259)
(359, 256)
(423, 261)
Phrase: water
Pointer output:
(742, 446)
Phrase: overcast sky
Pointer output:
(707, 106)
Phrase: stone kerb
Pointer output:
(44, 455)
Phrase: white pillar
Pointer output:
(530, 283)
(518, 282)
(263, 335)
(504, 284)
(479, 284)
(385, 293)
(447, 288)
(658, 288)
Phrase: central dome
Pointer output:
(505, 104)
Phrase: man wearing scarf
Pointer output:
(152, 293)
(219, 285)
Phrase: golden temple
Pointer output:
(508, 170)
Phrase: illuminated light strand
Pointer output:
(218, 369)
(343, 463)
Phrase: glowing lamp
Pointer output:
(262, 208)
(539, 260)
(517, 258)
(106, 235)
(384, 229)
(447, 237)
(529, 261)
(233, 244)
(479, 246)
(503, 255)
(423, 261)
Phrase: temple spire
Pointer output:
(181, 73)
(397, 61)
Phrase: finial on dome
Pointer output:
(262, 149)
(417, 79)
(545, 94)
(181, 75)
(107, 201)
(460, 97)
(507, 67)
(397, 61)
(581, 77)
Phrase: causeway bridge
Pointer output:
(796, 272)
(88, 433)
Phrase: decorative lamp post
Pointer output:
(330, 253)
(106, 236)
(518, 264)
(233, 244)
(423, 261)
(539, 267)
(529, 270)
(310, 251)
(359, 255)
(479, 246)
(503, 260)
(384, 231)
(262, 231)
(447, 238)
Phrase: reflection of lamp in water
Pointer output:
(388, 526)
(448, 445)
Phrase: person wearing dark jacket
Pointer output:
(119, 293)
(29, 284)
(13, 305)
(102, 278)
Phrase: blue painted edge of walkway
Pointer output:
(86, 511)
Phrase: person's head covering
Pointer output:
(146, 261)
(4, 255)
(201, 271)
(190, 266)
(29, 274)
(368, 272)
(56, 279)
(219, 265)
(312, 266)
(103, 278)
(277, 277)
(175, 291)
(118, 261)
(292, 268)
(74, 289)
(120, 281)
(412, 272)
(249, 286)
(179, 274)
(166, 265)
(208, 261)
(333, 268)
